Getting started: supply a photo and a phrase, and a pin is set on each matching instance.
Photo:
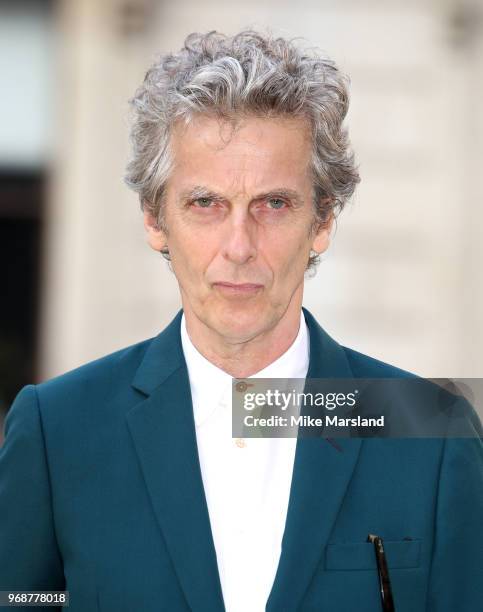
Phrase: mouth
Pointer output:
(242, 289)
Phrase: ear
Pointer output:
(321, 239)
(156, 237)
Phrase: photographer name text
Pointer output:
(308, 421)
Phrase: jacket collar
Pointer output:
(164, 436)
(327, 357)
(163, 356)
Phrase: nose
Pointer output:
(240, 244)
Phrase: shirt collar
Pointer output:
(210, 385)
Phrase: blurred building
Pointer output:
(401, 282)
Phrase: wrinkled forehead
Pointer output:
(251, 149)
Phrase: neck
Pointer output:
(244, 358)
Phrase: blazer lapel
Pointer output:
(322, 471)
(163, 431)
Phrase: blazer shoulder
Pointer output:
(364, 366)
(427, 397)
(119, 366)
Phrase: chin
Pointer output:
(239, 323)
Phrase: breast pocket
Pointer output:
(400, 554)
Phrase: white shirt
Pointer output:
(246, 483)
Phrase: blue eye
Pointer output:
(276, 203)
(203, 202)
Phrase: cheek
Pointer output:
(290, 245)
(289, 253)
(191, 256)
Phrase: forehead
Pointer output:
(249, 154)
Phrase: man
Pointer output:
(120, 481)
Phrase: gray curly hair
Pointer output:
(231, 77)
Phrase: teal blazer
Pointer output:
(101, 494)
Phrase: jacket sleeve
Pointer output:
(457, 564)
(29, 554)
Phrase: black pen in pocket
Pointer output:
(383, 571)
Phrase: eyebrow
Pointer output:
(199, 191)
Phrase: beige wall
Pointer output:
(402, 280)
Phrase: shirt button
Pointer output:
(240, 442)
